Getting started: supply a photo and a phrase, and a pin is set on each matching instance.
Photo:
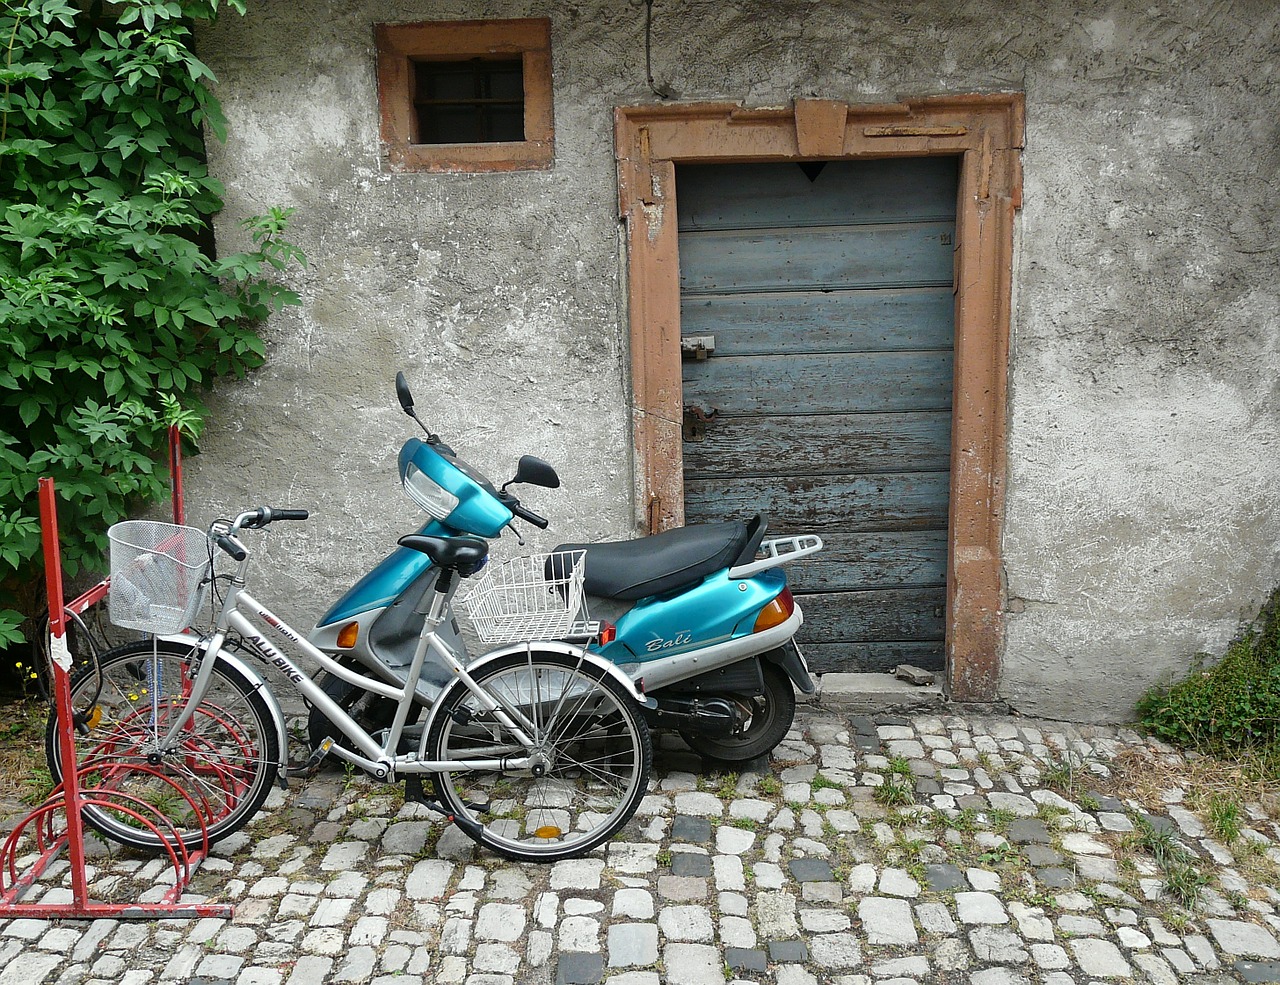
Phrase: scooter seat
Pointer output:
(636, 569)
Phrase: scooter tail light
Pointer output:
(776, 612)
(347, 635)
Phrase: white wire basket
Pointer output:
(538, 597)
(158, 575)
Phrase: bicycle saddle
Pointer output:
(466, 555)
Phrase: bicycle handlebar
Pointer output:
(223, 534)
(263, 515)
(229, 545)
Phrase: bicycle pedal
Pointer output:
(312, 763)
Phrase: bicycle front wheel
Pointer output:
(586, 770)
(211, 781)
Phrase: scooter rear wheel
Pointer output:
(771, 716)
(590, 757)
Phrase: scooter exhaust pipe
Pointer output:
(707, 716)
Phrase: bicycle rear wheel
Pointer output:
(213, 781)
(591, 756)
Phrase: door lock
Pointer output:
(694, 427)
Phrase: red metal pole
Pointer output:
(175, 472)
(60, 663)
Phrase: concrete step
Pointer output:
(869, 693)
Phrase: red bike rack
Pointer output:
(59, 823)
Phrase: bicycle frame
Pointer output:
(379, 760)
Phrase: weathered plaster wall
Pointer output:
(1142, 520)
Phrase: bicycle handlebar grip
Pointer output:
(230, 546)
(278, 514)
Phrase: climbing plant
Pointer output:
(114, 310)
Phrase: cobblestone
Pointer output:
(991, 878)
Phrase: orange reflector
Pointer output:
(608, 633)
(548, 831)
(776, 612)
(347, 635)
(95, 717)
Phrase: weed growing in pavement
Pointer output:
(1183, 881)
(1049, 813)
(999, 854)
(1088, 802)
(727, 787)
(1179, 922)
(770, 786)
(1066, 774)
(966, 821)
(821, 782)
(999, 819)
(900, 766)
(1224, 818)
(745, 823)
(894, 792)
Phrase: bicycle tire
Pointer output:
(224, 764)
(595, 746)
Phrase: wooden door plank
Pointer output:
(875, 615)
(863, 320)
(873, 658)
(821, 444)
(802, 504)
(771, 195)
(836, 383)
(913, 254)
(890, 559)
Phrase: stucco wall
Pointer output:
(1142, 521)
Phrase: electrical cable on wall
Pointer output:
(661, 91)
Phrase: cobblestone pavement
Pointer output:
(939, 848)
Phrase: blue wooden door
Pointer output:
(818, 324)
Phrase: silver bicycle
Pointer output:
(537, 750)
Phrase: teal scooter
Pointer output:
(700, 617)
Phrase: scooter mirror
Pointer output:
(402, 391)
(535, 472)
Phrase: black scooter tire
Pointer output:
(773, 713)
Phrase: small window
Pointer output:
(466, 95)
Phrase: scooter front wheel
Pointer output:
(771, 714)
(576, 787)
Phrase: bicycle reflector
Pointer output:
(347, 635)
(776, 612)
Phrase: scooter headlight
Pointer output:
(428, 493)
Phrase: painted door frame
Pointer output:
(986, 133)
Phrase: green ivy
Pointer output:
(113, 310)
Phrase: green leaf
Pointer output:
(29, 410)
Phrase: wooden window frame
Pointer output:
(986, 133)
(399, 44)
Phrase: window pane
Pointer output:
(469, 102)
(506, 123)
(507, 83)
